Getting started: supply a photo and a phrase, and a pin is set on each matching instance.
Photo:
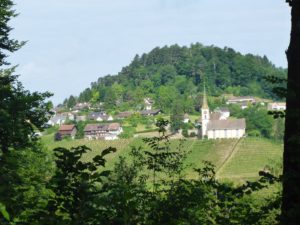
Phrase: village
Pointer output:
(97, 124)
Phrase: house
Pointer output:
(215, 116)
(68, 115)
(148, 103)
(186, 118)
(151, 112)
(124, 115)
(102, 131)
(57, 119)
(67, 131)
(214, 126)
(97, 106)
(224, 111)
(80, 118)
(230, 128)
(100, 116)
(71, 116)
(241, 99)
(277, 106)
(244, 105)
(81, 106)
(59, 108)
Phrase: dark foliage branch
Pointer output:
(75, 186)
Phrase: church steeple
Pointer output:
(205, 115)
(204, 103)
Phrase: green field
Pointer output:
(235, 160)
(250, 155)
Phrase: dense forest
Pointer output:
(177, 73)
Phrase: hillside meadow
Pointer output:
(235, 160)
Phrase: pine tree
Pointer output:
(21, 111)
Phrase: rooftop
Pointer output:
(229, 124)
(66, 127)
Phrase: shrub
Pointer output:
(193, 134)
(185, 133)
(57, 137)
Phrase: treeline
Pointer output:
(177, 73)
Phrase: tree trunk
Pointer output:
(291, 155)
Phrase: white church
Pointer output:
(215, 125)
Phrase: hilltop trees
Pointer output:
(175, 71)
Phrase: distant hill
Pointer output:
(175, 73)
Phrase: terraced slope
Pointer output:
(208, 150)
(251, 155)
(95, 145)
(234, 164)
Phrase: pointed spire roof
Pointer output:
(204, 102)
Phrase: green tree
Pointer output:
(176, 118)
(95, 97)
(20, 111)
(71, 102)
(167, 74)
(110, 99)
(166, 95)
(23, 179)
(75, 185)
(125, 197)
(21, 114)
(7, 44)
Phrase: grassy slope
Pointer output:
(249, 156)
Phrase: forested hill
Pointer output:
(177, 73)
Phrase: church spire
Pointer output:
(204, 102)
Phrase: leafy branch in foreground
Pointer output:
(75, 185)
(161, 158)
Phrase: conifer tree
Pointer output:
(20, 111)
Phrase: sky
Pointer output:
(71, 43)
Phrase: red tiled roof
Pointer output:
(114, 126)
(102, 127)
(66, 127)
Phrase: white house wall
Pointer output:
(225, 115)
